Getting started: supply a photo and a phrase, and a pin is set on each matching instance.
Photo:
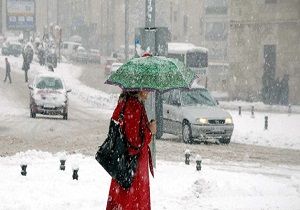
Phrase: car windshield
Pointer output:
(196, 59)
(179, 57)
(197, 96)
(49, 83)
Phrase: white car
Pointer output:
(195, 115)
(94, 56)
(114, 67)
(48, 96)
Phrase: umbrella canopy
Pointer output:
(152, 73)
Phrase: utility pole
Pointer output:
(150, 46)
(1, 17)
(101, 27)
(150, 26)
(47, 12)
(107, 27)
(57, 14)
(126, 28)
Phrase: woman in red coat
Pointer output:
(138, 131)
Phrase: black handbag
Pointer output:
(113, 155)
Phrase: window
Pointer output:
(201, 23)
(197, 96)
(175, 98)
(196, 60)
(270, 58)
(216, 7)
(185, 24)
(216, 31)
(166, 97)
(217, 53)
(270, 1)
(175, 16)
(49, 83)
(179, 57)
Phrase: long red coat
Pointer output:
(137, 197)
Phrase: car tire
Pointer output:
(187, 133)
(158, 135)
(32, 114)
(224, 141)
(65, 116)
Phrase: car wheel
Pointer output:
(224, 140)
(32, 114)
(65, 116)
(158, 135)
(186, 133)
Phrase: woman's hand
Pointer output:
(152, 127)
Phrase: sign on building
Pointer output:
(20, 15)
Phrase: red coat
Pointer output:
(137, 197)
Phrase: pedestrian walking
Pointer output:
(138, 131)
(7, 70)
(50, 68)
(26, 65)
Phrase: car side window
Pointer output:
(165, 97)
(175, 98)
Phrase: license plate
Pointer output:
(49, 106)
(217, 129)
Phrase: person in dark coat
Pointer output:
(284, 93)
(50, 68)
(26, 64)
(138, 131)
(7, 70)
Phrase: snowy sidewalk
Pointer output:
(176, 186)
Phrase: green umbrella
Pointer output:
(152, 73)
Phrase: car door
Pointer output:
(173, 113)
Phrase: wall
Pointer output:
(254, 24)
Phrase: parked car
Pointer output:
(2, 40)
(80, 55)
(12, 48)
(69, 48)
(114, 67)
(195, 115)
(94, 56)
(51, 58)
(109, 62)
(48, 96)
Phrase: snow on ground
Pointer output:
(259, 106)
(283, 129)
(225, 185)
(71, 74)
(175, 186)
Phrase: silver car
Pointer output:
(48, 96)
(195, 115)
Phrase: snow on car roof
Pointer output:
(196, 85)
(14, 43)
(117, 64)
(181, 47)
(49, 74)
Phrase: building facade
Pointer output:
(243, 36)
(264, 37)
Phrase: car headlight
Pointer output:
(202, 120)
(228, 120)
(37, 97)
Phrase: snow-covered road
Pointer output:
(89, 114)
(259, 169)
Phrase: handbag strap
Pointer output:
(121, 117)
